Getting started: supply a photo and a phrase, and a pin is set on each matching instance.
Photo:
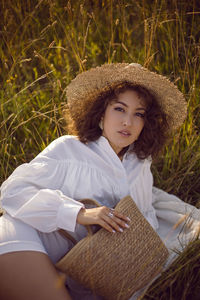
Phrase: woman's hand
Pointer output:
(104, 216)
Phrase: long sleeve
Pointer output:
(174, 210)
(32, 194)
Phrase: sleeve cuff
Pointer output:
(67, 214)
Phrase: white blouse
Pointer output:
(45, 193)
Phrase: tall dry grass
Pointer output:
(45, 43)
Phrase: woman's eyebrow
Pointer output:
(138, 108)
(122, 103)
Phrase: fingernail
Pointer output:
(113, 231)
(126, 225)
(120, 229)
(128, 219)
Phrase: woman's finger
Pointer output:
(120, 216)
(106, 226)
(115, 222)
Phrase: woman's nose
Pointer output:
(127, 121)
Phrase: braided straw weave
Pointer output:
(83, 90)
(117, 265)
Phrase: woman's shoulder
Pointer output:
(64, 147)
(64, 141)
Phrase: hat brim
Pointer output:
(87, 86)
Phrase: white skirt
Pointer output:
(18, 236)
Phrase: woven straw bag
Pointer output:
(115, 266)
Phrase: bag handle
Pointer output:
(67, 235)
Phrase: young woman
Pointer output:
(122, 114)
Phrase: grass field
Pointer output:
(45, 43)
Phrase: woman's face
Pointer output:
(123, 120)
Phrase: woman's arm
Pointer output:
(32, 195)
(171, 208)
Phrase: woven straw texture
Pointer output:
(117, 265)
(87, 86)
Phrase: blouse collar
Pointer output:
(104, 144)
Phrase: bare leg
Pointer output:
(30, 275)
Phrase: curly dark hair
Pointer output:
(154, 133)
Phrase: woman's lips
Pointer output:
(124, 133)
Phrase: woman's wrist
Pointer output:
(80, 215)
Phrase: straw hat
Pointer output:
(116, 265)
(87, 86)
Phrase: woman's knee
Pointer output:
(30, 275)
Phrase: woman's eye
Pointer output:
(118, 108)
(140, 115)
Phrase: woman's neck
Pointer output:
(122, 152)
